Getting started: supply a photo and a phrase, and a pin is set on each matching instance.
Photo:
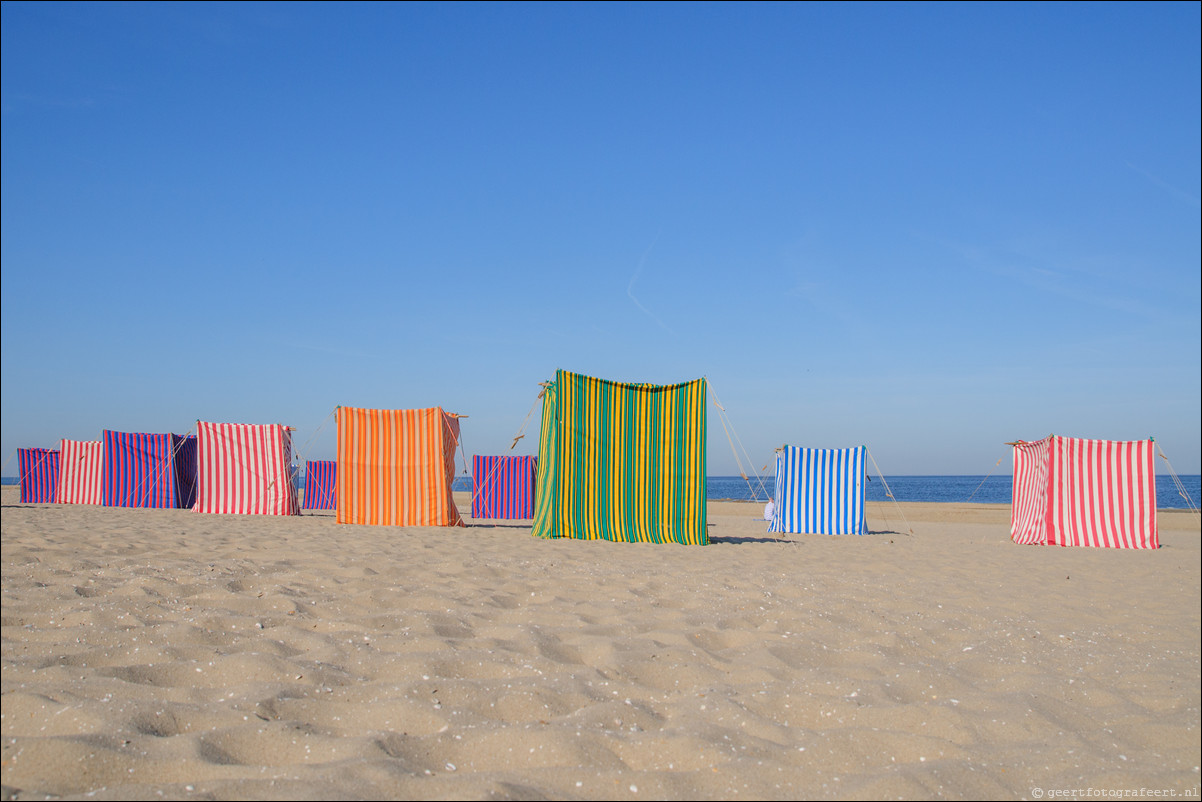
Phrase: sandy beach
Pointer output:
(151, 654)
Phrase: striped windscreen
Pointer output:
(80, 471)
(1029, 498)
(39, 474)
(244, 469)
(503, 487)
(820, 491)
(1099, 493)
(321, 485)
(622, 462)
(396, 466)
(1103, 493)
(186, 459)
(139, 470)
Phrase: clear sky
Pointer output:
(925, 228)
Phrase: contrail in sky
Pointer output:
(635, 277)
(1166, 185)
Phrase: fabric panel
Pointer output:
(81, 470)
(1029, 499)
(546, 476)
(395, 467)
(139, 470)
(1103, 493)
(39, 471)
(321, 489)
(503, 487)
(185, 464)
(621, 461)
(820, 491)
(244, 469)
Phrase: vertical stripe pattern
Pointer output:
(39, 469)
(396, 466)
(244, 469)
(321, 489)
(185, 463)
(622, 462)
(503, 487)
(820, 491)
(1097, 493)
(139, 470)
(80, 471)
(1029, 501)
(1103, 493)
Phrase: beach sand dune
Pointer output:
(152, 654)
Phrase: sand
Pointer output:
(152, 654)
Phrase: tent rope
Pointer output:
(521, 433)
(146, 486)
(1181, 491)
(462, 453)
(728, 428)
(995, 467)
(458, 437)
(889, 493)
(302, 453)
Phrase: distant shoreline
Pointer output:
(944, 489)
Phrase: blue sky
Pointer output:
(925, 228)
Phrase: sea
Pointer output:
(938, 489)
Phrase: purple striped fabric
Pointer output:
(139, 470)
(321, 485)
(39, 474)
(186, 466)
(503, 487)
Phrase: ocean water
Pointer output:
(940, 489)
(943, 489)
